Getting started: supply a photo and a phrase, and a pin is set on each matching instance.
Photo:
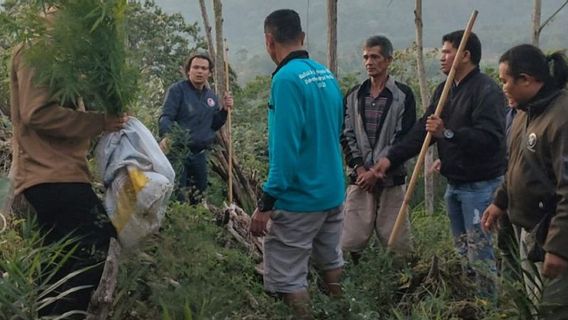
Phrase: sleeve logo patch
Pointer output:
(210, 102)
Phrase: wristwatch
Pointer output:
(448, 134)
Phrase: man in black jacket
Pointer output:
(470, 135)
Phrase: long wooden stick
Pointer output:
(229, 126)
(439, 108)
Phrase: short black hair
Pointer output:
(284, 25)
(189, 60)
(530, 60)
(380, 41)
(473, 44)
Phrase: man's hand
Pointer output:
(366, 180)
(115, 123)
(553, 266)
(360, 170)
(380, 169)
(165, 145)
(436, 166)
(258, 223)
(435, 125)
(490, 217)
(228, 101)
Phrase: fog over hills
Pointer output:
(500, 25)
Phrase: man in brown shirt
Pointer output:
(50, 145)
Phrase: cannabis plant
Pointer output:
(81, 52)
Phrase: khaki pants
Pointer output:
(365, 212)
(549, 295)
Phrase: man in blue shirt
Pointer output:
(304, 191)
(194, 108)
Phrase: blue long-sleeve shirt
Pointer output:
(197, 111)
(305, 119)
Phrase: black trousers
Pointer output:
(73, 209)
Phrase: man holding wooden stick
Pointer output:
(470, 135)
(193, 106)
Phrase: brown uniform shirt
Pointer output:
(50, 142)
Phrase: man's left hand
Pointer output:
(553, 265)
(367, 180)
(435, 125)
(259, 222)
(228, 101)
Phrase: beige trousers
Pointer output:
(365, 212)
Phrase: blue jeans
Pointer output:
(466, 203)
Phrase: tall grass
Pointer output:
(28, 269)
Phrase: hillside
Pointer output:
(500, 25)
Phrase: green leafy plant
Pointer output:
(28, 269)
(81, 52)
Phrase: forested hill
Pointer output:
(501, 24)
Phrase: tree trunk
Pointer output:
(207, 29)
(332, 35)
(243, 192)
(220, 51)
(537, 25)
(536, 22)
(424, 98)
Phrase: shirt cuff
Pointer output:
(266, 202)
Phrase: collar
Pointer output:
(298, 54)
(365, 87)
(465, 79)
(541, 100)
(194, 88)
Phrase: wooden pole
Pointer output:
(229, 125)
(425, 98)
(536, 22)
(332, 36)
(439, 108)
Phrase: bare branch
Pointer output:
(552, 16)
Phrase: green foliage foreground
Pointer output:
(194, 270)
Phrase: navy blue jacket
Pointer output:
(197, 111)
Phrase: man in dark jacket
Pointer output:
(535, 191)
(195, 109)
(378, 112)
(470, 135)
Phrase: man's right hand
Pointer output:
(360, 170)
(490, 216)
(115, 123)
(165, 145)
(259, 222)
